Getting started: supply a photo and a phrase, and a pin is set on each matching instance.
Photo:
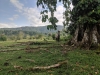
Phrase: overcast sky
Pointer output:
(18, 13)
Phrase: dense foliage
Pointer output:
(49, 5)
(85, 13)
(3, 38)
(26, 32)
(83, 20)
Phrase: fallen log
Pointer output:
(11, 50)
(48, 67)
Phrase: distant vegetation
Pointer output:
(30, 29)
(27, 33)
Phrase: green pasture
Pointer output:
(18, 58)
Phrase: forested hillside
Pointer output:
(28, 30)
(25, 32)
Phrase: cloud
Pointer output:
(11, 19)
(14, 17)
(71, 6)
(6, 25)
(33, 14)
(59, 14)
(17, 4)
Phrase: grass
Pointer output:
(80, 62)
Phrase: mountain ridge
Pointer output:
(39, 29)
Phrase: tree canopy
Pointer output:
(50, 6)
(83, 20)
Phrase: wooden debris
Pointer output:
(48, 67)
(48, 51)
(18, 67)
(8, 59)
(11, 50)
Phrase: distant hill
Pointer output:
(40, 29)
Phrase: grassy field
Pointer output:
(46, 58)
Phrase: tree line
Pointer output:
(16, 35)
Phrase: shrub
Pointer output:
(66, 38)
(3, 38)
(53, 36)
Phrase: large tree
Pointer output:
(83, 20)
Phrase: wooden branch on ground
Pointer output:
(11, 50)
(48, 67)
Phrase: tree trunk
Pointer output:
(89, 38)
(85, 40)
(95, 38)
(74, 39)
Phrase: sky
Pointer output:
(18, 13)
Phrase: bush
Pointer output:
(3, 38)
(12, 37)
(53, 36)
(66, 38)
